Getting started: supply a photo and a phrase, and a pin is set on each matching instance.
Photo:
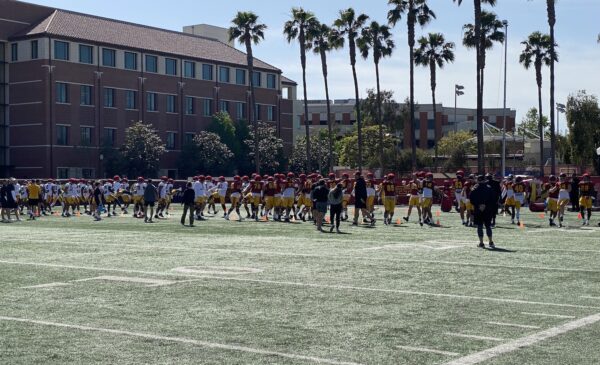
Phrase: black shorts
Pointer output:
(33, 202)
(483, 218)
(360, 204)
(149, 204)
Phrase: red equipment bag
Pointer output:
(537, 207)
(447, 203)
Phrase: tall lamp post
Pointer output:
(505, 23)
(560, 108)
(458, 91)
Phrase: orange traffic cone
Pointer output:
(327, 220)
(438, 222)
(579, 216)
(438, 214)
(399, 221)
(542, 216)
(522, 226)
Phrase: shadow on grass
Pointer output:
(500, 250)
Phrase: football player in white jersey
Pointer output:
(170, 192)
(163, 187)
(48, 197)
(199, 187)
(138, 197)
(86, 195)
(221, 189)
(211, 191)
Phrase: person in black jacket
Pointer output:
(360, 198)
(575, 192)
(189, 197)
(497, 193)
(320, 196)
(482, 199)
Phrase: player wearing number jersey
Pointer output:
(304, 201)
(288, 194)
(388, 195)
(586, 187)
(236, 188)
(414, 200)
(519, 199)
(564, 197)
(371, 193)
(458, 185)
(347, 187)
(552, 202)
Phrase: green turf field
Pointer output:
(121, 291)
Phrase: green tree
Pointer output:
(434, 52)
(247, 31)
(270, 147)
(350, 25)
(205, 153)
(531, 121)
(377, 39)
(537, 52)
(142, 150)
(456, 140)
(223, 126)
(297, 161)
(349, 152)
(112, 160)
(390, 109)
(324, 40)
(583, 120)
(416, 12)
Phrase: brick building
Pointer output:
(71, 83)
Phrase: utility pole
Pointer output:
(505, 23)
(458, 91)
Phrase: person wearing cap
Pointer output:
(8, 200)
(388, 195)
(335, 200)
(482, 199)
(564, 197)
(585, 188)
(360, 199)
(497, 191)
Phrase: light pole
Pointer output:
(458, 91)
(560, 108)
(505, 23)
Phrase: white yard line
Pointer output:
(548, 315)
(180, 340)
(42, 286)
(131, 279)
(431, 351)
(309, 285)
(483, 338)
(523, 342)
(516, 325)
(590, 297)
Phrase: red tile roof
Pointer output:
(91, 28)
(285, 80)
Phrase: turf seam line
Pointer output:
(523, 342)
(431, 351)
(149, 336)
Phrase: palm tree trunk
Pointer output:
(433, 85)
(306, 117)
(252, 106)
(552, 22)
(356, 94)
(411, 45)
(380, 121)
(538, 71)
(479, 113)
(329, 121)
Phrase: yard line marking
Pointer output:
(484, 338)
(216, 270)
(548, 315)
(589, 297)
(431, 351)
(514, 325)
(309, 285)
(49, 285)
(526, 341)
(181, 340)
(131, 279)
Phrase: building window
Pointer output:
(86, 54)
(240, 76)
(224, 74)
(62, 93)
(207, 72)
(14, 52)
(240, 110)
(109, 97)
(224, 106)
(171, 103)
(62, 173)
(171, 138)
(109, 137)
(151, 64)
(271, 81)
(256, 76)
(86, 136)
(87, 173)
(131, 99)
(109, 57)
(171, 66)
(271, 113)
(189, 106)
(257, 112)
(61, 50)
(189, 138)
(207, 107)
(189, 69)
(130, 61)
(62, 135)
(85, 95)
(151, 104)
(34, 50)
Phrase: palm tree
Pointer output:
(538, 52)
(416, 11)
(434, 52)
(247, 31)
(478, 52)
(296, 28)
(350, 25)
(377, 38)
(551, 10)
(324, 39)
(491, 31)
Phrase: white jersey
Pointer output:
(169, 188)
(371, 191)
(49, 189)
(563, 194)
(108, 189)
(290, 191)
(117, 186)
(86, 190)
(162, 190)
(125, 186)
(139, 190)
(199, 189)
(71, 190)
(210, 187)
(222, 188)
(23, 191)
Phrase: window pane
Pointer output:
(62, 135)
(130, 61)
(271, 81)
(109, 136)
(85, 95)
(86, 136)
(151, 64)
(109, 97)
(171, 137)
(207, 72)
(257, 112)
(61, 50)
(171, 104)
(207, 107)
(14, 52)
(131, 99)
(224, 106)
(62, 93)
(151, 102)
(34, 50)
(86, 54)
(256, 76)
(189, 105)
(189, 69)
(223, 74)
(240, 76)
(170, 66)
(271, 113)
(241, 111)
(109, 57)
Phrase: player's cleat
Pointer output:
(405, 219)
(481, 245)
(518, 223)
(421, 223)
(226, 216)
(492, 246)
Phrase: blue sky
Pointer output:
(576, 31)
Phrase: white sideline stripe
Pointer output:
(590, 297)
(514, 325)
(310, 285)
(49, 285)
(526, 341)
(131, 279)
(548, 315)
(484, 338)
(431, 351)
(181, 340)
